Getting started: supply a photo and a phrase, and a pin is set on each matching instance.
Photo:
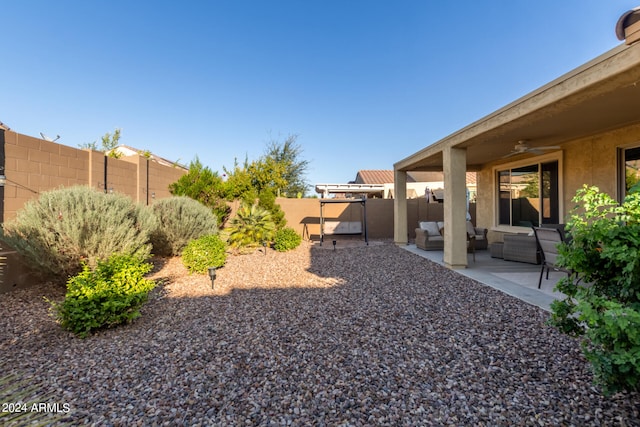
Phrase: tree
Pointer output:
(240, 183)
(290, 166)
(205, 186)
(109, 143)
(279, 172)
(258, 182)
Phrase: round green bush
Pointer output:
(286, 239)
(181, 219)
(63, 228)
(104, 297)
(205, 252)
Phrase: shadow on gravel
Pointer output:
(397, 340)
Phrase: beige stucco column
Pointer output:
(455, 207)
(400, 207)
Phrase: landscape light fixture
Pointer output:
(334, 245)
(3, 180)
(264, 247)
(212, 276)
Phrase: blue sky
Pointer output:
(362, 83)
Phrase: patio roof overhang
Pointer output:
(349, 188)
(601, 95)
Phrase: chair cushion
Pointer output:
(430, 227)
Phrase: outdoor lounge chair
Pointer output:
(428, 236)
(480, 236)
(471, 245)
(548, 240)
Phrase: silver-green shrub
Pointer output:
(63, 228)
(180, 220)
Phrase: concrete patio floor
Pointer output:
(517, 279)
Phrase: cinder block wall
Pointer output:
(33, 165)
(159, 179)
(303, 215)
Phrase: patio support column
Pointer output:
(400, 236)
(455, 207)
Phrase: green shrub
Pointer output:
(286, 239)
(180, 220)
(267, 200)
(65, 227)
(204, 185)
(251, 226)
(109, 295)
(603, 307)
(205, 252)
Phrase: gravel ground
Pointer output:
(360, 336)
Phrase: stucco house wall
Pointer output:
(586, 161)
(586, 124)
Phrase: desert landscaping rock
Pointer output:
(359, 336)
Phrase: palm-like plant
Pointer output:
(251, 226)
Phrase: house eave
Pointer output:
(601, 95)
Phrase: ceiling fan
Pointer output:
(521, 148)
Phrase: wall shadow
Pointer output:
(313, 335)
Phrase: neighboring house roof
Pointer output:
(127, 150)
(374, 177)
(377, 176)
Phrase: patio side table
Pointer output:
(521, 248)
(496, 250)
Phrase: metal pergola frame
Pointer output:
(363, 203)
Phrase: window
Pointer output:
(528, 195)
(630, 170)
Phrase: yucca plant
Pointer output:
(251, 226)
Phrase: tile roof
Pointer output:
(377, 176)
(374, 177)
